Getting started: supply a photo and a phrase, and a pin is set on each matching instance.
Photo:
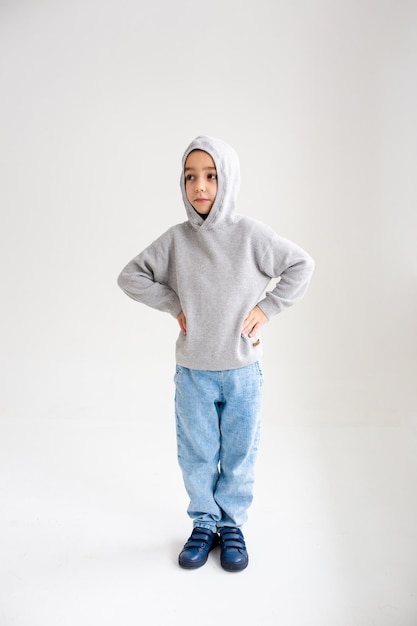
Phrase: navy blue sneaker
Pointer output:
(195, 552)
(233, 555)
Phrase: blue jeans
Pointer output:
(218, 423)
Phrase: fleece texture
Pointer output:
(216, 270)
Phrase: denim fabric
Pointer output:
(218, 422)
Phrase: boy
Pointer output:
(210, 273)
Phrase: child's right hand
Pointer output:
(182, 322)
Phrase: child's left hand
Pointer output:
(253, 321)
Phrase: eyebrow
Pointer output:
(209, 167)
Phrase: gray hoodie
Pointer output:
(216, 270)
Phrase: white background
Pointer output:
(98, 101)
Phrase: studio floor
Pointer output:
(93, 517)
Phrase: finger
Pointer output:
(248, 327)
(259, 323)
(181, 322)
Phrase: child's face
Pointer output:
(200, 181)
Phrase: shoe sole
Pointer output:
(191, 565)
(234, 567)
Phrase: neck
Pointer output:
(203, 215)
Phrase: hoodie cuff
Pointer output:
(268, 308)
(175, 307)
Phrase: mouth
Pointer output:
(202, 200)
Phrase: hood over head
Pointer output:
(228, 182)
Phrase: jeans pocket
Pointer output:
(178, 372)
(259, 371)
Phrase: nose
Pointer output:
(200, 185)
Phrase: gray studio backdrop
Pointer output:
(98, 101)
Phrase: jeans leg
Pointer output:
(240, 417)
(198, 442)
